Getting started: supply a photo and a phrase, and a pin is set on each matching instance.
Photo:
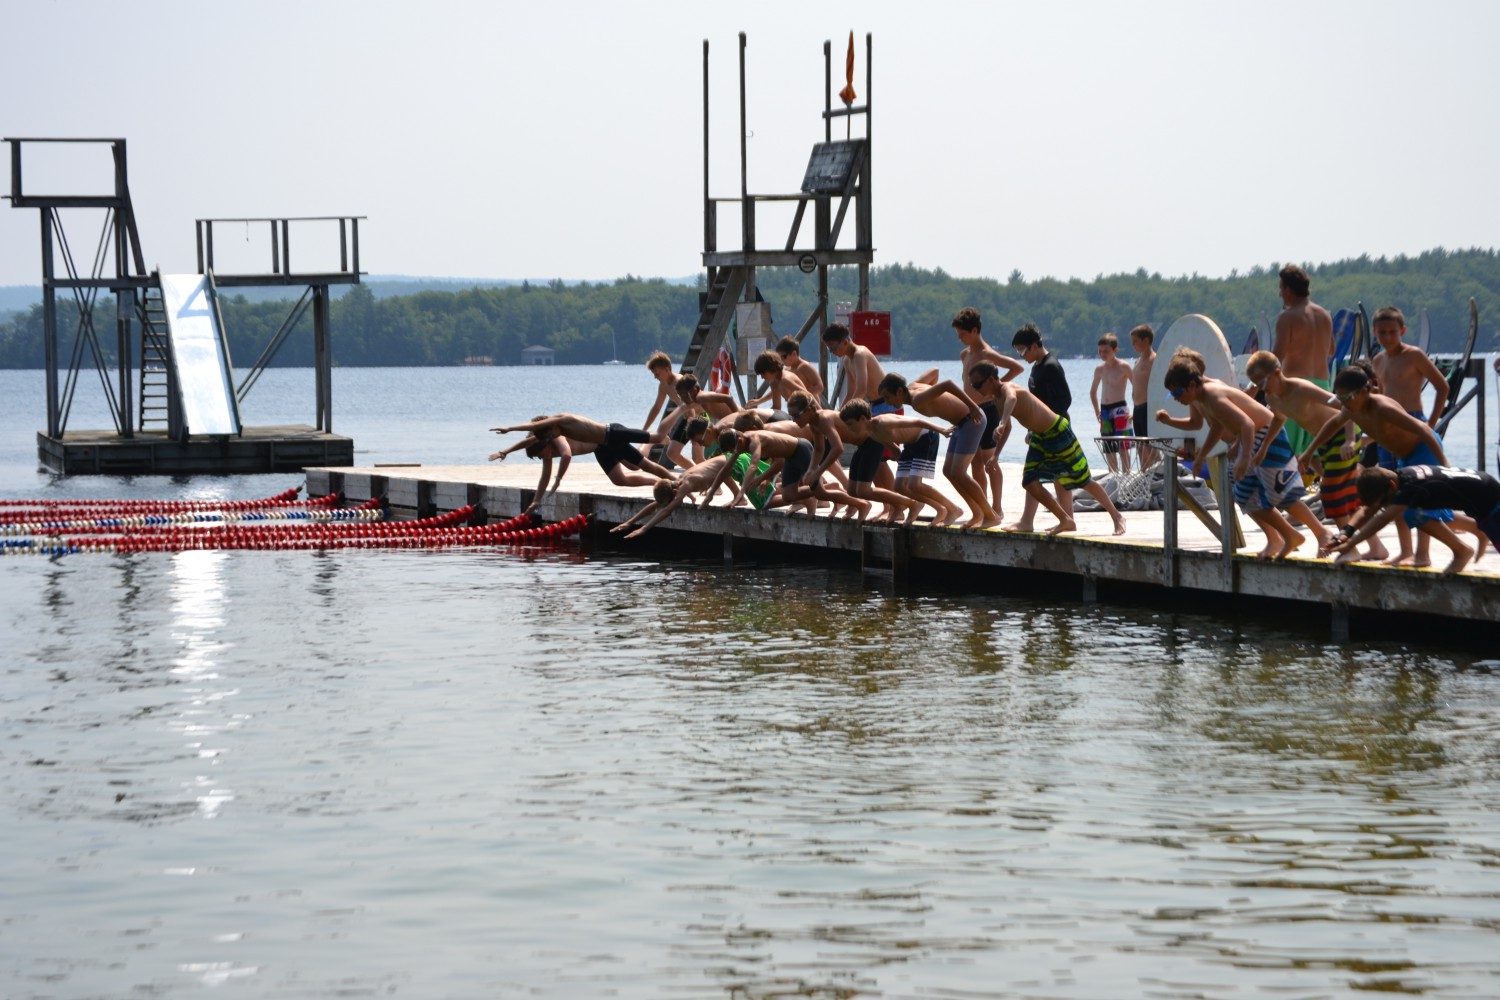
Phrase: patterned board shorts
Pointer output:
(1276, 482)
(1055, 456)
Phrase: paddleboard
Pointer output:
(1204, 336)
(1345, 322)
(1424, 332)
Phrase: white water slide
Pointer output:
(200, 354)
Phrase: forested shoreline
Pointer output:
(630, 317)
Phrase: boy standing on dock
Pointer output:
(862, 371)
(780, 383)
(1111, 376)
(985, 468)
(917, 439)
(1403, 370)
(945, 401)
(1301, 401)
(1053, 453)
(1403, 437)
(1266, 480)
(791, 358)
(1143, 342)
(1049, 384)
(1388, 495)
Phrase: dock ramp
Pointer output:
(200, 355)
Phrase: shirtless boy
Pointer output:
(1110, 378)
(917, 439)
(792, 360)
(667, 496)
(862, 371)
(945, 401)
(780, 383)
(564, 435)
(986, 464)
(829, 433)
(1403, 370)
(1388, 494)
(1053, 452)
(1409, 440)
(1304, 339)
(1143, 342)
(792, 457)
(1308, 404)
(1265, 474)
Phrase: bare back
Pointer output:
(1140, 377)
(1393, 428)
(773, 444)
(1304, 340)
(942, 405)
(1303, 402)
(808, 373)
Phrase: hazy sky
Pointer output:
(564, 140)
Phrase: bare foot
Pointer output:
(864, 510)
(1376, 552)
(1460, 560)
(1400, 559)
(1290, 544)
(1421, 562)
(991, 522)
(1347, 556)
(1064, 526)
(1021, 528)
(1119, 523)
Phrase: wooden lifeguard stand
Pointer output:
(171, 394)
(837, 179)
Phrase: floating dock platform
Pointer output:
(285, 448)
(1092, 556)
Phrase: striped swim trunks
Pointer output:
(1339, 493)
(1055, 456)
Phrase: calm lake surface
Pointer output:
(540, 772)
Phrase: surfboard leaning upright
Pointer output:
(1204, 336)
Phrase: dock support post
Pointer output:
(728, 548)
(1169, 518)
(883, 553)
(426, 504)
(1090, 590)
(1339, 613)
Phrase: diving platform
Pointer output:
(1165, 557)
(277, 448)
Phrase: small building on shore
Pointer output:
(537, 355)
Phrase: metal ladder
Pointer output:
(156, 363)
(725, 285)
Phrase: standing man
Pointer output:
(1304, 341)
(1049, 384)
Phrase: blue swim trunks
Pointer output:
(1414, 518)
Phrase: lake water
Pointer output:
(506, 773)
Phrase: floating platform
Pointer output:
(283, 448)
(1097, 560)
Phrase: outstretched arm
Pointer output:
(951, 388)
(661, 513)
(526, 442)
(643, 512)
(1371, 525)
(1329, 429)
(544, 424)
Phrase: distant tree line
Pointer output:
(630, 317)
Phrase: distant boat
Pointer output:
(479, 359)
(614, 351)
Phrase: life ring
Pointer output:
(722, 373)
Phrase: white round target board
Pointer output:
(1204, 336)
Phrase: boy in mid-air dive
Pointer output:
(564, 435)
(1052, 452)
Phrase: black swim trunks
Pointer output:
(991, 422)
(866, 461)
(617, 447)
(796, 467)
(1138, 420)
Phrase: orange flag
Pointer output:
(847, 95)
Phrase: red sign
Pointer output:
(872, 330)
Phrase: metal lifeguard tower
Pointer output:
(837, 179)
(172, 394)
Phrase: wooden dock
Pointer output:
(282, 448)
(1092, 555)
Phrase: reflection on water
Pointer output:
(484, 774)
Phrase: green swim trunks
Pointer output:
(1299, 436)
(1054, 455)
(762, 492)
